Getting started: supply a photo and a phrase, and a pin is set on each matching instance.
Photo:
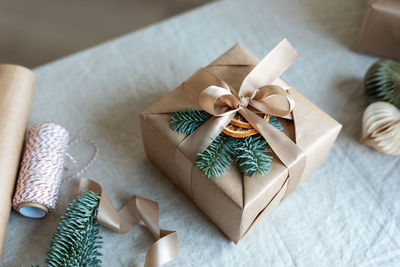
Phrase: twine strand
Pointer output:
(78, 171)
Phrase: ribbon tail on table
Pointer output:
(137, 209)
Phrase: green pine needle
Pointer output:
(217, 157)
(250, 152)
(187, 121)
(274, 122)
(382, 82)
(251, 155)
(76, 241)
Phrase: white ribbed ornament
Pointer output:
(381, 128)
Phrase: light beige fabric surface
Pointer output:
(346, 214)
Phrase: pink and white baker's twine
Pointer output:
(41, 170)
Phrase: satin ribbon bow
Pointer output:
(258, 93)
(269, 99)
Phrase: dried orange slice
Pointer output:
(241, 122)
(234, 130)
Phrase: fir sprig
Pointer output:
(250, 152)
(76, 241)
(187, 121)
(274, 122)
(217, 157)
(251, 155)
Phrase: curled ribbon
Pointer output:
(137, 209)
(257, 94)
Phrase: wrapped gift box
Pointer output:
(235, 202)
(380, 30)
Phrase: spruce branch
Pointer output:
(76, 241)
(187, 121)
(217, 157)
(274, 122)
(250, 152)
(252, 155)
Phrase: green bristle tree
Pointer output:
(187, 121)
(217, 158)
(76, 241)
(250, 152)
(251, 155)
(382, 82)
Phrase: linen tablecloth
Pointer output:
(346, 214)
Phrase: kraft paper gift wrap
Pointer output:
(235, 202)
(380, 31)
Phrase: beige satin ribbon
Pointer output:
(257, 94)
(137, 209)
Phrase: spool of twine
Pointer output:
(41, 170)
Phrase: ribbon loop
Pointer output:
(218, 101)
(272, 100)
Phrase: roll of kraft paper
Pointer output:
(17, 85)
